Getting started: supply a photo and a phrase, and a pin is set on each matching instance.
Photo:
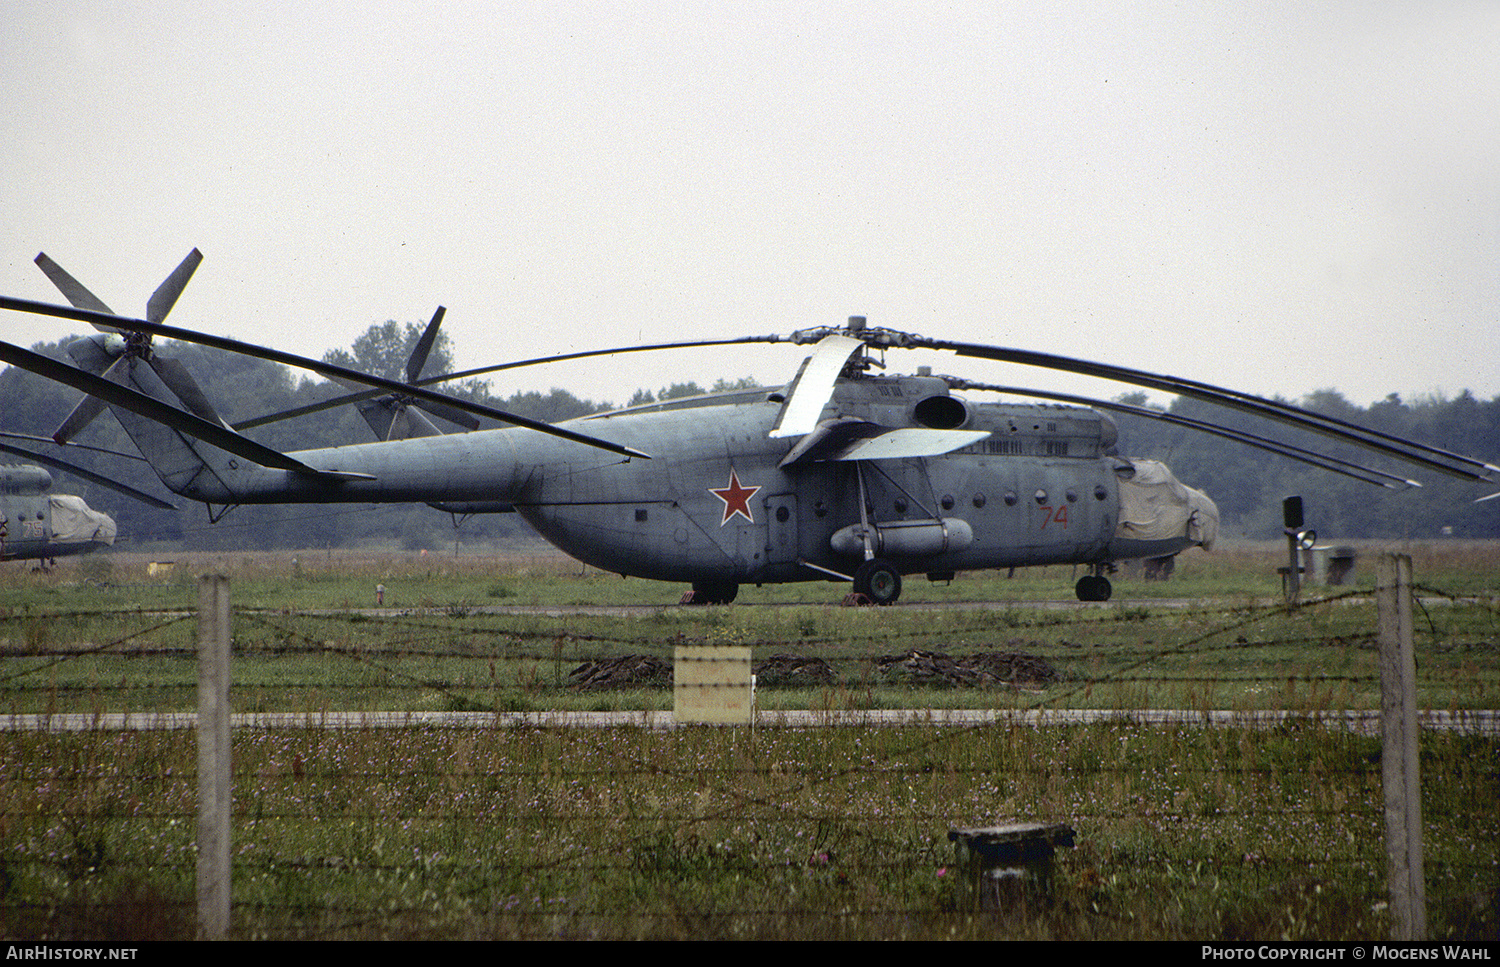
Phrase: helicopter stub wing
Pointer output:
(848, 438)
(908, 442)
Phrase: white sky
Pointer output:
(1278, 197)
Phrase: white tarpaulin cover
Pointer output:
(74, 523)
(1155, 506)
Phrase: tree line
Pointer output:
(1249, 484)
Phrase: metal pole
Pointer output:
(1399, 740)
(1293, 572)
(214, 789)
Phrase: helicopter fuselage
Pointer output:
(723, 504)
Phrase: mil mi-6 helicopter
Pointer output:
(38, 525)
(844, 474)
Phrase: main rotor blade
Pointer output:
(1321, 460)
(1454, 464)
(302, 362)
(590, 353)
(89, 475)
(151, 408)
(77, 446)
(165, 296)
(311, 408)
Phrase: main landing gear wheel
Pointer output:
(1093, 587)
(879, 581)
(711, 592)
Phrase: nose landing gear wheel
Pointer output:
(1093, 587)
(879, 581)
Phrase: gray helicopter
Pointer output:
(844, 474)
(38, 525)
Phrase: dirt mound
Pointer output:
(627, 671)
(793, 671)
(984, 670)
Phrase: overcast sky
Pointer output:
(1278, 197)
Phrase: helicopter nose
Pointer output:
(1203, 521)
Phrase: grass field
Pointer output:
(1183, 833)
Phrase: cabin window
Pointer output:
(1041, 496)
(640, 515)
(1011, 498)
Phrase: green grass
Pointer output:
(1184, 833)
(1213, 655)
(715, 833)
(1239, 572)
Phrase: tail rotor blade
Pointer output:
(165, 296)
(72, 289)
(83, 414)
(448, 413)
(181, 383)
(424, 347)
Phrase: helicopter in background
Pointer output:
(36, 524)
(41, 526)
(844, 474)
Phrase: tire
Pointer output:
(1093, 587)
(879, 581)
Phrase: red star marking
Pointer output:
(736, 498)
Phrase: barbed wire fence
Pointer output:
(531, 830)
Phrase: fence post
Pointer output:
(1398, 755)
(214, 789)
